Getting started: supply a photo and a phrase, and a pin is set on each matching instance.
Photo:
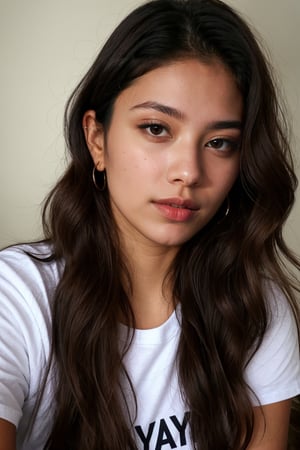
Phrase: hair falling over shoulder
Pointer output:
(221, 276)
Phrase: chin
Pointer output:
(175, 241)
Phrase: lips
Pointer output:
(178, 203)
(176, 209)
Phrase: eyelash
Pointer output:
(147, 127)
(231, 144)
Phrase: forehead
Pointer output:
(191, 86)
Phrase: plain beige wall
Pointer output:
(45, 48)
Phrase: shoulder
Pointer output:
(27, 283)
(282, 326)
(27, 286)
(273, 373)
(24, 271)
(29, 260)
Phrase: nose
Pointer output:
(185, 167)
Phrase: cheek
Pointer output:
(232, 170)
(235, 169)
(225, 177)
(127, 165)
(127, 158)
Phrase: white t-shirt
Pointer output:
(26, 292)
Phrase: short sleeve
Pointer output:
(24, 330)
(14, 369)
(273, 373)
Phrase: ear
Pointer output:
(94, 137)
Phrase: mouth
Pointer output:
(179, 203)
(174, 205)
(176, 209)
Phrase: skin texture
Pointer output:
(7, 435)
(275, 436)
(176, 156)
(173, 138)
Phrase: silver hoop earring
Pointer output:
(228, 207)
(100, 173)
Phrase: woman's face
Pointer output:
(171, 152)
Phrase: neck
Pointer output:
(151, 299)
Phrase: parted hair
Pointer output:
(221, 276)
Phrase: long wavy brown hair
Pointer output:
(219, 276)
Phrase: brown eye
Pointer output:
(156, 129)
(224, 145)
(217, 143)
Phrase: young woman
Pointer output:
(158, 313)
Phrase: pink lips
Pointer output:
(176, 209)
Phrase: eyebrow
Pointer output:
(225, 124)
(173, 112)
